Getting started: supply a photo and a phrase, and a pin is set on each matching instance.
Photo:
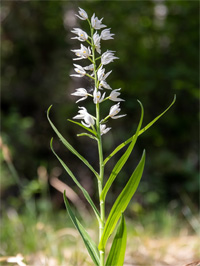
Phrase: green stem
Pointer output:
(100, 150)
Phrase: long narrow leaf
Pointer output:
(85, 193)
(66, 143)
(117, 168)
(118, 248)
(140, 132)
(89, 243)
(81, 125)
(122, 202)
(87, 135)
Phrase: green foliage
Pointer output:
(81, 125)
(154, 65)
(139, 133)
(118, 248)
(90, 245)
(158, 58)
(85, 193)
(68, 146)
(117, 168)
(44, 237)
(122, 202)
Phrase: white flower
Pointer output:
(104, 84)
(80, 70)
(90, 67)
(97, 96)
(114, 94)
(97, 39)
(82, 53)
(106, 35)
(103, 129)
(97, 23)
(114, 110)
(89, 120)
(108, 57)
(81, 92)
(82, 13)
(83, 114)
(101, 74)
(82, 35)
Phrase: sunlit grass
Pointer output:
(50, 239)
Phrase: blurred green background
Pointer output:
(157, 45)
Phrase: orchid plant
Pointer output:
(96, 126)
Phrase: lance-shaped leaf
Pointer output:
(89, 243)
(81, 125)
(87, 135)
(122, 202)
(122, 145)
(69, 146)
(85, 193)
(118, 248)
(117, 168)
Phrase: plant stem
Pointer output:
(100, 150)
(100, 186)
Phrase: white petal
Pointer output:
(82, 99)
(86, 125)
(76, 75)
(118, 116)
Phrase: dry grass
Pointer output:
(141, 251)
(64, 247)
(177, 251)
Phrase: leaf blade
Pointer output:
(118, 248)
(87, 135)
(117, 168)
(85, 193)
(69, 146)
(123, 144)
(81, 125)
(89, 243)
(121, 202)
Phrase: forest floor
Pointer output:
(140, 252)
(46, 242)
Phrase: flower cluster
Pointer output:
(95, 71)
